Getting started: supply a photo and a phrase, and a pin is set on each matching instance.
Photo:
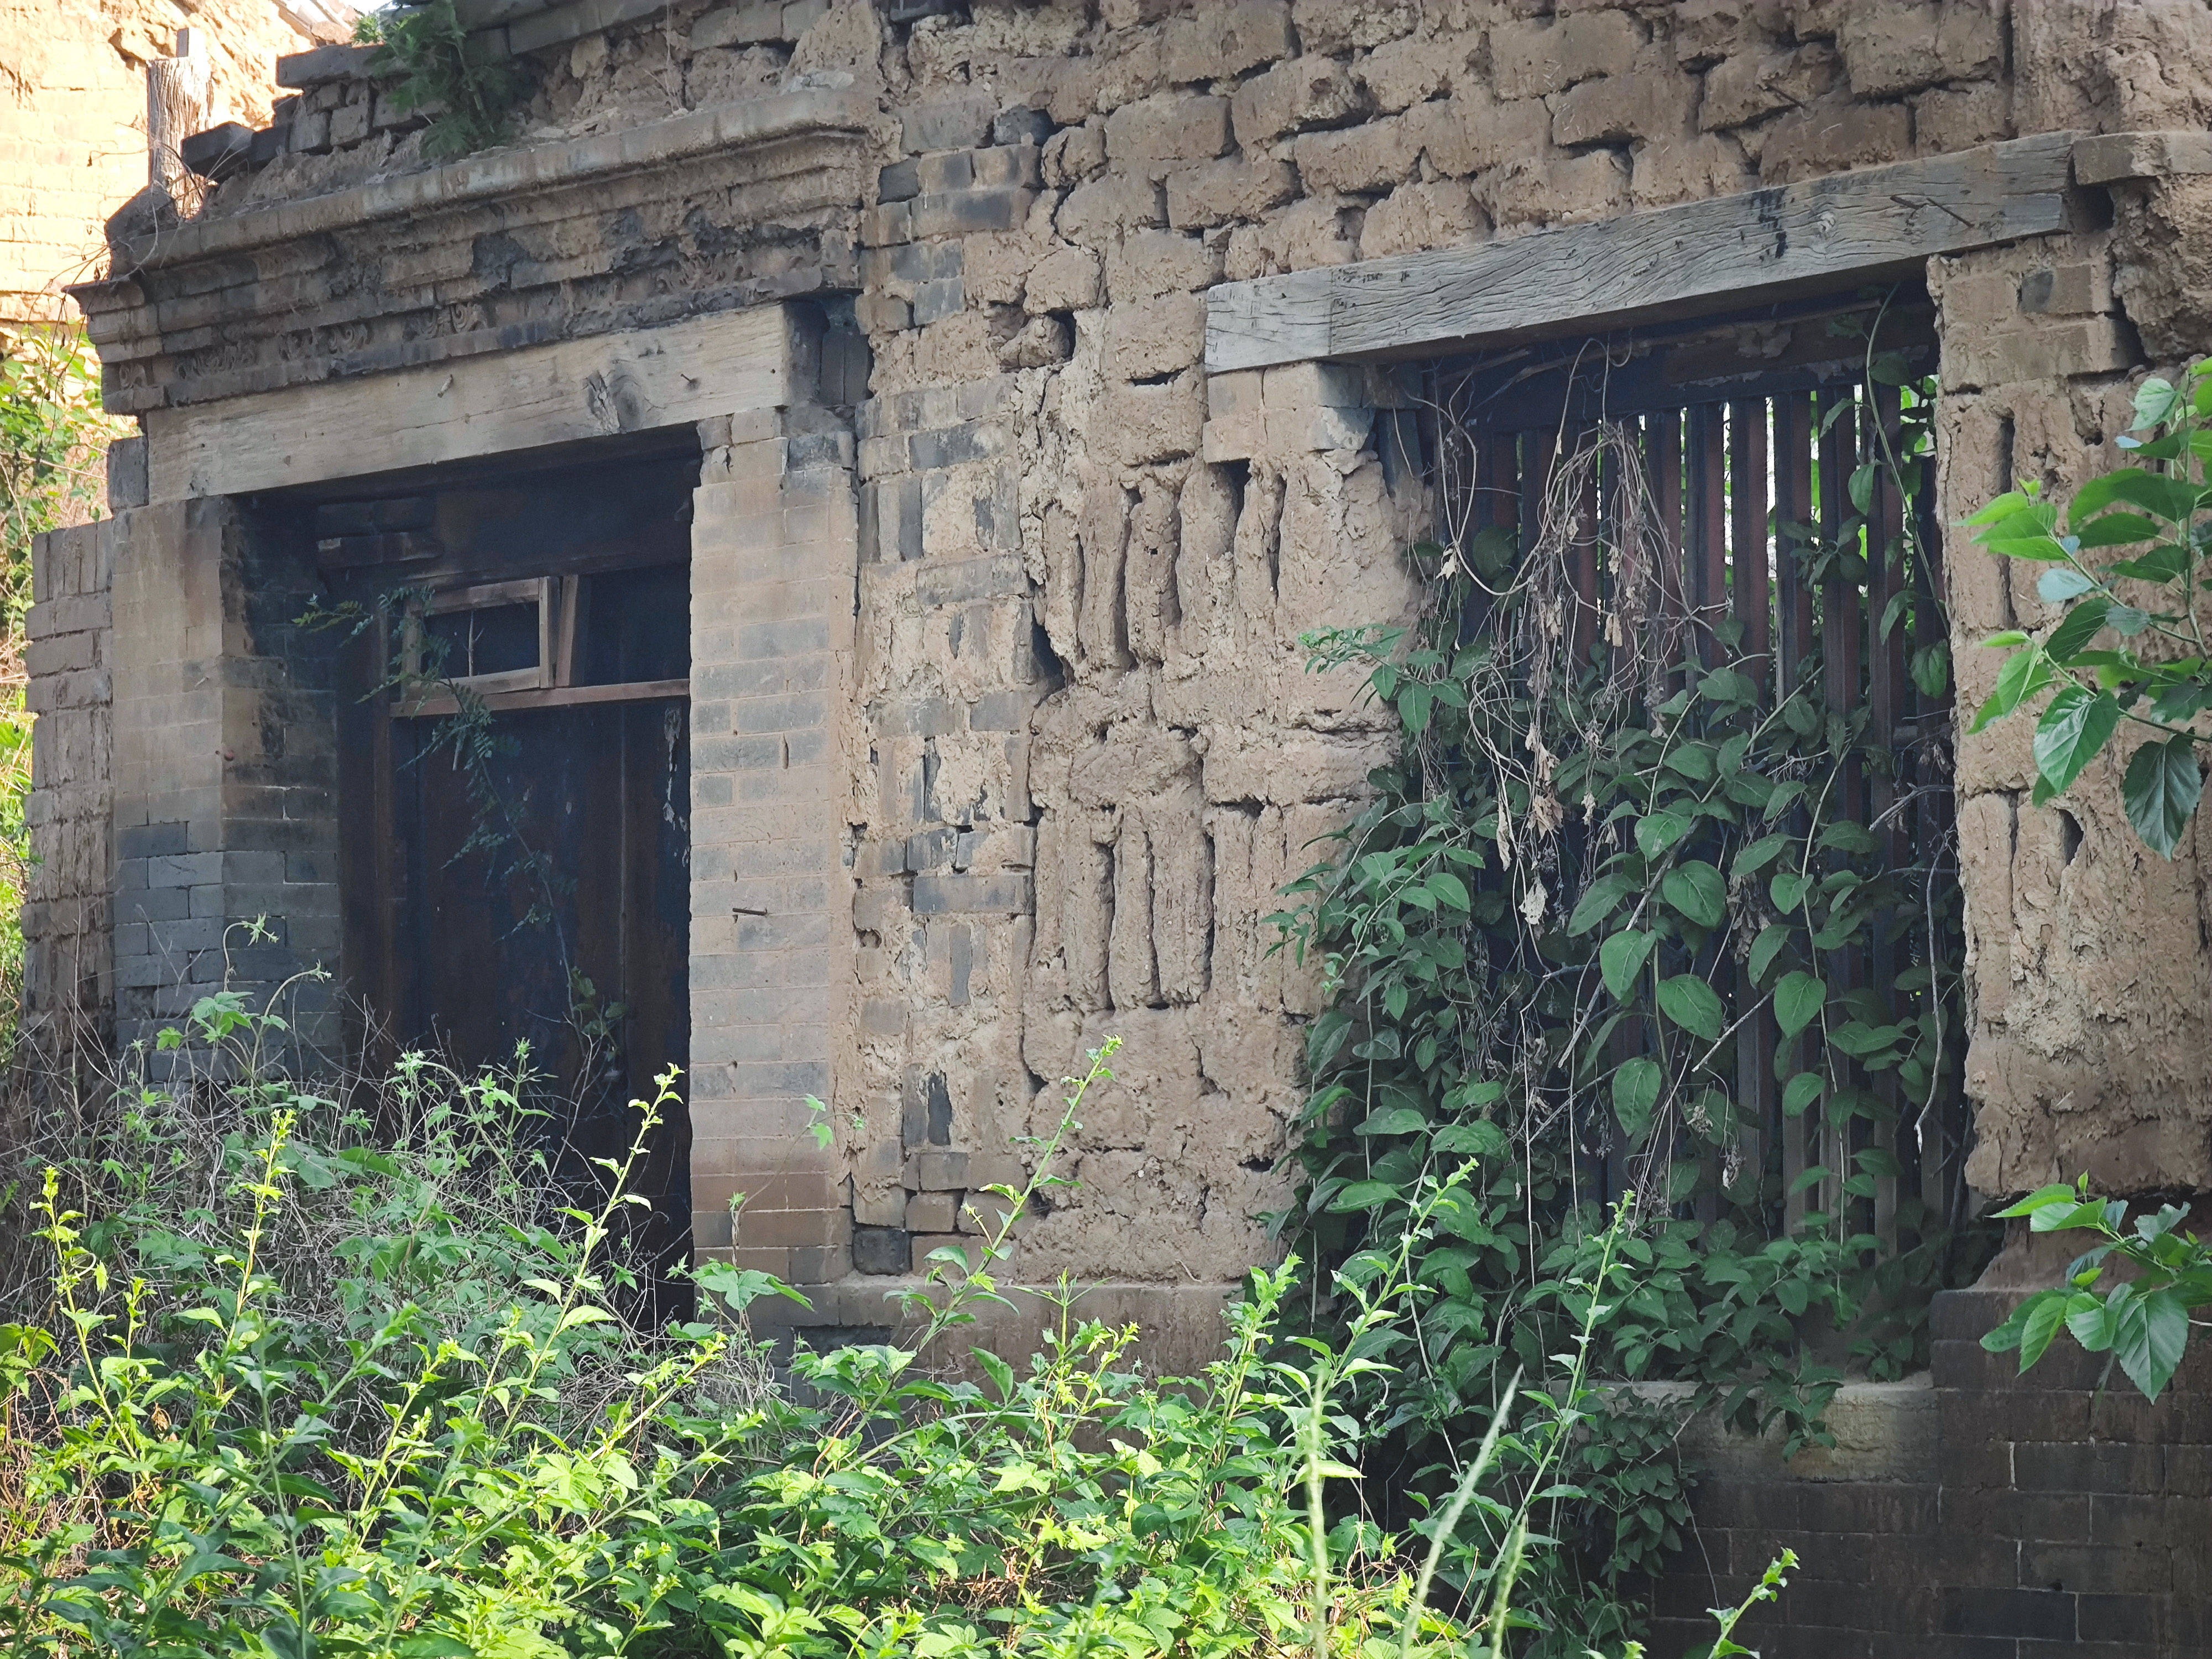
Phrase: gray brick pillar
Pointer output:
(773, 553)
(223, 783)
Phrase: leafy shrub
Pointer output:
(2142, 1321)
(53, 439)
(439, 69)
(290, 1388)
(2129, 653)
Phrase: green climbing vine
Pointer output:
(1625, 890)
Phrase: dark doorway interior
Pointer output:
(515, 794)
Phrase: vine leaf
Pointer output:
(2160, 792)
(1787, 892)
(2079, 628)
(1692, 1005)
(1800, 1092)
(1798, 1000)
(1635, 1092)
(1621, 958)
(1656, 832)
(2148, 1334)
(1696, 890)
(2028, 671)
(2057, 586)
(1597, 904)
(1765, 948)
(2073, 729)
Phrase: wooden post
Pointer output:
(176, 108)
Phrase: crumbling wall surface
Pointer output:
(2091, 1036)
(1096, 755)
(73, 121)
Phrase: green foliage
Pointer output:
(287, 1385)
(1586, 877)
(2129, 653)
(2143, 1321)
(468, 90)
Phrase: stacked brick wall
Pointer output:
(225, 811)
(73, 122)
(68, 990)
(2060, 1511)
(771, 972)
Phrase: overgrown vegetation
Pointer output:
(285, 1374)
(1605, 855)
(437, 68)
(2129, 652)
(53, 444)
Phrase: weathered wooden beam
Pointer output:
(519, 400)
(1628, 269)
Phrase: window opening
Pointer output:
(1741, 510)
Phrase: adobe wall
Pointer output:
(1081, 751)
(73, 122)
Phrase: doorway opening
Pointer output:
(514, 794)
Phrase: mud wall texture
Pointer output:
(73, 121)
(1080, 750)
(2091, 1047)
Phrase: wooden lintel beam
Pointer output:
(550, 696)
(1641, 265)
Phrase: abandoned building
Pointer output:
(872, 464)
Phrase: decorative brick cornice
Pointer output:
(721, 208)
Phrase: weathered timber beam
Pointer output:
(642, 381)
(1623, 269)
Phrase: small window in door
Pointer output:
(497, 636)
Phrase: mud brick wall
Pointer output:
(2060, 1511)
(1082, 752)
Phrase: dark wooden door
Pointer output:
(543, 909)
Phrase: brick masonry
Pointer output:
(223, 779)
(774, 540)
(2061, 1512)
(69, 987)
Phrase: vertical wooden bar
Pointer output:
(1708, 527)
(1943, 1137)
(1794, 644)
(1585, 556)
(1793, 504)
(1663, 446)
(1538, 449)
(1842, 605)
(1749, 561)
(1889, 695)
